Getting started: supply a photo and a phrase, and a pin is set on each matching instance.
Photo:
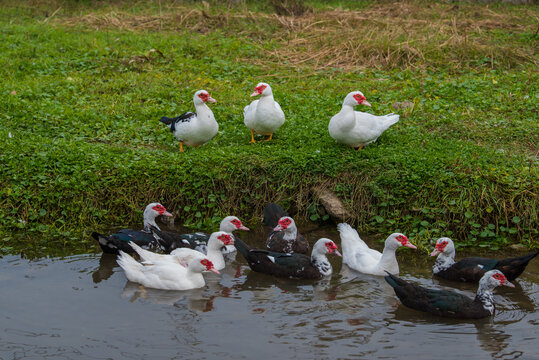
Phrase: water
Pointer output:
(82, 307)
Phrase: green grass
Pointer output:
(83, 149)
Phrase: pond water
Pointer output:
(82, 307)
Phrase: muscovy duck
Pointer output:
(355, 128)
(291, 265)
(166, 275)
(358, 256)
(284, 236)
(144, 238)
(182, 256)
(263, 116)
(194, 128)
(448, 303)
(473, 268)
(168, 241)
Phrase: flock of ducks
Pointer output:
(174, 261)
(265, 117)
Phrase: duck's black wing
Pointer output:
(173, 122)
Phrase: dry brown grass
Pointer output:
(389, 34)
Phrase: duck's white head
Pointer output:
(355, 98)
(286, 223)
(325, 246)
(232, 223)
(493, 278)
(444, 245)
(152, 211)
(202, 96)
(220, 239)
(262, 89)
(200, 265)
(397, 240)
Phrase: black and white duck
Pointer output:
(144, 238)
(471, 269)
(292, 265)
(449, 303)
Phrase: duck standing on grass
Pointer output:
(355, 128)
(263, 116)
(194, 129)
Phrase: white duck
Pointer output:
(194, 129)
(263, 116)
(183, 256)
(358, 256)
(355, 128)
(166, 275)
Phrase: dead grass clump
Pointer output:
(411, 33)
(402, 34)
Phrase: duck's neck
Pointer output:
(443, 262)
(149, 221)
(266, 100)
(215, 255)
(290, 233)
(322, 264)
(388, 261)
(204, 113)
(347, 118)
(485, 296)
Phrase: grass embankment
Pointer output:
(83, 150)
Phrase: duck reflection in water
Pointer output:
(107, 263)
(199, 300)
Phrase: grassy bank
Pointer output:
(83, 150)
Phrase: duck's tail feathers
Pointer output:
(350, 241)
(390, 119)
(394, 281)
(513, 267)
(272, 214)
(101, 239)
(347, 232)
(127, 263)
(145, 255)
(104, 242)
(166, 120)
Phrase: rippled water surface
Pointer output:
(82, 307)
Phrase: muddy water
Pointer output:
(82, 307)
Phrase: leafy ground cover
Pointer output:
(81, 94)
